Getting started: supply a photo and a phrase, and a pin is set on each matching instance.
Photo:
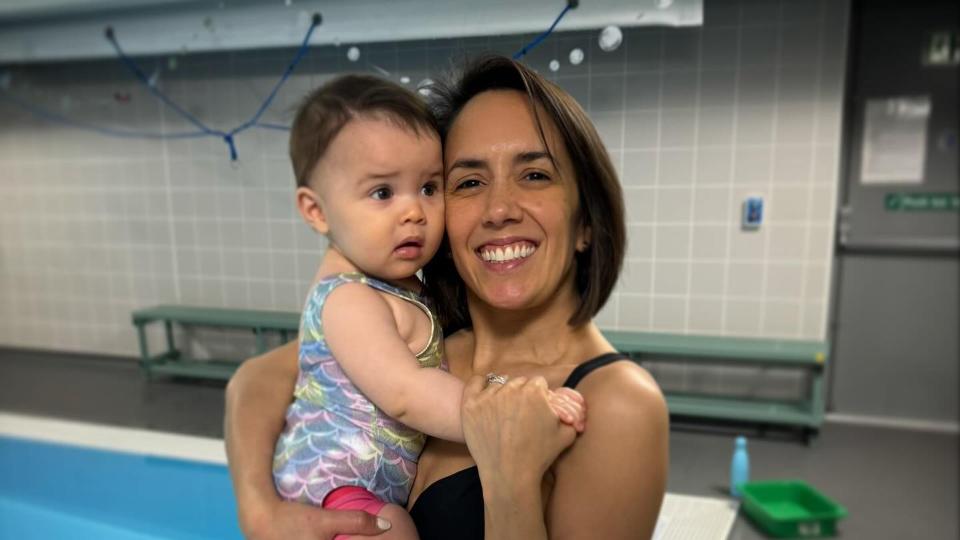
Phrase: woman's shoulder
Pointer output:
(622, 388)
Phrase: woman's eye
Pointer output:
(536, 175)
(467, 184)
(381, 194)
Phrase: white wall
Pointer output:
(93, 227)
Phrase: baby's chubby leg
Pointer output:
(358, 498)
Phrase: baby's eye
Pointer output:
(429, 189)
(382, 194)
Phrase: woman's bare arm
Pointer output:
(611, 482)
(257, 398)
(514, 437)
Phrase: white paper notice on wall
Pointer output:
(895, 140)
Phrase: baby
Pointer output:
(367, 160)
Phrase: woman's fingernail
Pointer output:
(383, 524)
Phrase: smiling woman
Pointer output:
(535, 240)
(506, 192)
(504, 121)
(526, 172)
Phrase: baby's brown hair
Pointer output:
(323, 113)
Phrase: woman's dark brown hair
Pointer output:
(601, 199)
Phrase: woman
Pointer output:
(527, 174)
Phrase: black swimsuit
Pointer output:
(452, 507)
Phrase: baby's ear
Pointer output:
(311, 210)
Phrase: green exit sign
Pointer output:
(922, 202)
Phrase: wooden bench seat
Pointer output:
(803, 355)
(174, 362)
(810, 356)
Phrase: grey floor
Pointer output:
(895, 484)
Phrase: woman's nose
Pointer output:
(501, 206)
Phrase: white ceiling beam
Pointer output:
(167, 26)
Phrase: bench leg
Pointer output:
(817, 398)
(144, 350)
(172, 352)
(261, 341)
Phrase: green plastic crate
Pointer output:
(790, 509)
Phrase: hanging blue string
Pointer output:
(142, 77)
(228, 137)
(317, 19)
(571, 4)
(267, 125)
(59, 118)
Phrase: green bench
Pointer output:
(806, 414)
(174, 362)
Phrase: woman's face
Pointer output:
(511, 211)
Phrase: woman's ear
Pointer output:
(583, 238)
(311, 210)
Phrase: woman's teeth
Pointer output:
(510, 253)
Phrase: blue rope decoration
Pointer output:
(204, 131)
(142, 77)
(286, 74)
(571, 4)
(228, 137)
(59, 118)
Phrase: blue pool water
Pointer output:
(50, 492)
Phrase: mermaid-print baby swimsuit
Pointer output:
(334, 435)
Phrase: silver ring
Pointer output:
(493, 378)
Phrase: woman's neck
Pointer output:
(539, 336)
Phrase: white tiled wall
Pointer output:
(93, 227)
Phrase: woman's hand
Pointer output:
(512, 431)
(514, 435)
(281, 520)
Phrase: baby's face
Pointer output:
(381, 188)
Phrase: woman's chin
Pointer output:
(509, 296)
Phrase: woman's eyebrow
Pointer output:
(522, 157)
(468, 163)
(527, 157)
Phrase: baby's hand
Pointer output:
(569, 407)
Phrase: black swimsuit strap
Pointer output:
(452, 507)
(587, 367)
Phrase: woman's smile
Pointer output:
(511, 203)
(506, 253)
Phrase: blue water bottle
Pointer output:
(739, 467)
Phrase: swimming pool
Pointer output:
(71, 480)
(59, 488)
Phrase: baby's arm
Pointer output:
(362, 334)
